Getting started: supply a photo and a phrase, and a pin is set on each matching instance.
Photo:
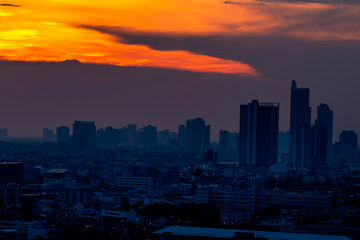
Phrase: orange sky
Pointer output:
(47, 30)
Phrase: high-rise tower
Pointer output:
(84, 135)
(300, 111)
(197, 135)
(259, 132)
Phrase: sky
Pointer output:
(161, 62)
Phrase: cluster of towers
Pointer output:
(310, 145)
(257, 144)
(193, 137)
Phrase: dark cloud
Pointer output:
(337, 21)
(8, 5)
(328, 66)
(272, 2)
(334, 22)
(255, 3)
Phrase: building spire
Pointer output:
(293, 84)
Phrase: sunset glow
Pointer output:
(49, 30)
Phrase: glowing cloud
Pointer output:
(45, 30)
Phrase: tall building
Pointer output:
(210, 156)
(131, 129)
(301, 155)
(63, 134)
(310, 146)
(300, 111)
(228, 150)
(259, 132)
(319, 144)
(48, 135)
(182, 135)
(108, 138)
(149, 136)
(3, 134)
(325, 118)
(84, 135)
(284, 138)
(223, 140)
(197, 135)
(163, 137)
(348, 142)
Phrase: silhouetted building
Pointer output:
(166, 138)
(11, 173)
(110, 138)
(182, 135)
(131, 129)
(233, 142)
(63, 134)
(310, 147)
(210, 156)
(149, 136)
(84, 135)
(228, 146)
(325, 117)
(3, 134)
(198, 135)
(300, 111)
(223, 140)
(124, 136)
(78, 195)
(348, 141)
(259, 131)
(30, 206)
(48, 135)
(284, 138)
(301, 156)
(319, 144)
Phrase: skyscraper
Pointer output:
(223, 140)
(300, 111)
(228, 150)
(149, 136)
(259, 131)
(310, 146)
(197, 135)
(325, 118)
(84, 135)
(319, 144)
(63, 134)
(301, 152)
(348, 141)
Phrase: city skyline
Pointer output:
(214, 137)
(209, 57)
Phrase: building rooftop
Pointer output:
(58, 170)
(229, 233)
(7, 163)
